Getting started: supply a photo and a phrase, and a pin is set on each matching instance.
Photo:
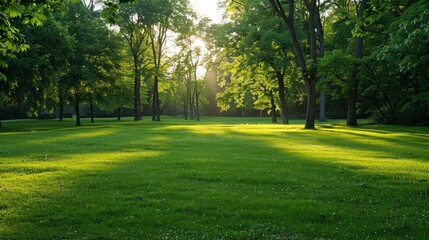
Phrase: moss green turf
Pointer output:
(221, 178)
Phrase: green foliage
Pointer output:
(339, 69)
(409, 41)
(95, 64)
(258, 51)
(12, 41)
(406, 53)
(35, 73)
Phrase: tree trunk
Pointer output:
(137, 84)
(157, 61)
(273, 108)
(155, 101)
(351, 112)
(197, 107)
(77, 110)
(0, 121)
(282, 96)
(321, 35)
(197, 110)
(61, 102)
(310, 81)
(353, 92)
(91, 108)
(185, 108)
(119, 113)
(311, 102)
(192, 101)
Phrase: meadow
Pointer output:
(220, 178)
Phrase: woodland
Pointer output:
(313, 60)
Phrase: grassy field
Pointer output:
(221, 178)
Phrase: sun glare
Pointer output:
(199, 43)
(208, 8)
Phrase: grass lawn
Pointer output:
(221, 178)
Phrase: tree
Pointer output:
(309, 73)
(93, 66)
(397, 72)
(353, 88)
(264, 41)
(34, 73)
(26, 12)
(167, 16)
(190, 57)
(12, 41)
(132, 22)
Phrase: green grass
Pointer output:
(221, 178)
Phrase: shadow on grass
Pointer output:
(148, 181)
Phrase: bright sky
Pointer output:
(208, 8)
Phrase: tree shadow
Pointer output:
(153, 182)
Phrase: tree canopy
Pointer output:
(367, 58)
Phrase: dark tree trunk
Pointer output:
(197, 110)
(197, 107)
(311, 102)
(0, 121)
(91, 108)
(77, 110)
(137, 84)
(155, 101)
(322, 114)
(185, 108)
(192, 101)
(310, 81)
(273, 108)
(61, 102)
(157, 61)
(351, 112)
(353, 92)
(321, 35)
(118, 110)
(282, 96)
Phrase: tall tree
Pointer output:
(131, 18)
(93, 66)
(167, 16)
(353, 91)
(13, 16)
(263, 39)
(309, 73)
(34, 73)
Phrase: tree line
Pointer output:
(106, 55)
(356, 57)
(333, 58)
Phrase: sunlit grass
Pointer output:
(221, 178)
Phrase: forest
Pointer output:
(318, 60)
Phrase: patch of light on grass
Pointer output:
(371, 160)
(87, 134)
